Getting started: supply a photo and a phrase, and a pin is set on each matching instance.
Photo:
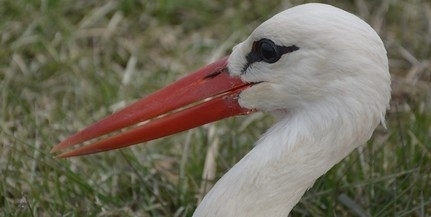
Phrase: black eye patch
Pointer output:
(267, 51)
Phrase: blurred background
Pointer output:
(65, 64)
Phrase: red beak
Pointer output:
(207, 95)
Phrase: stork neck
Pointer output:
(285, 162)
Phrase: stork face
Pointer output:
(311, 54)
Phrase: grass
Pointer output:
(65, 64)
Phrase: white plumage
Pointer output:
(329, 97)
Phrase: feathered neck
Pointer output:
(287, 160)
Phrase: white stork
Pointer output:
(321, 71)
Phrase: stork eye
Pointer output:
(268, 51)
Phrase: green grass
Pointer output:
(63, 65)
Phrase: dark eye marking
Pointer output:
(267, 51)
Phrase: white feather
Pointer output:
(329, 95)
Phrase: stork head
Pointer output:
(304, 57)
(310, 55)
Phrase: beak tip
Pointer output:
(57, 148)
(67, 154)
(54, 149)
(62, 145)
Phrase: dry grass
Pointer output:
(65, 64)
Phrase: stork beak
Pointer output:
(207, 95)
